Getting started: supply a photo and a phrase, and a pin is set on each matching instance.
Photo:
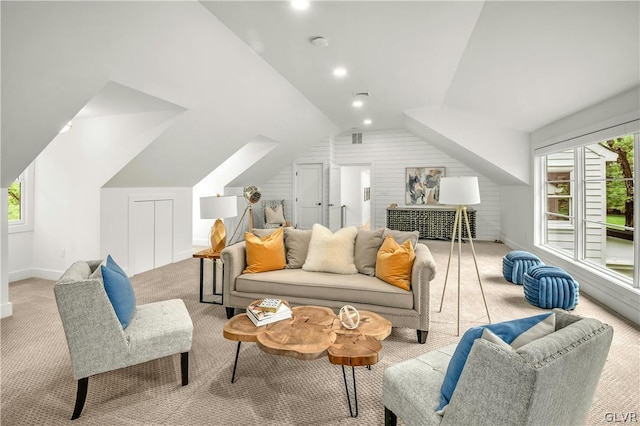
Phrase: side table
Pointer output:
(214, 256)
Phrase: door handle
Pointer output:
(319, 204)
(330, 205)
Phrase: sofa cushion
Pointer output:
(515, 333)
(366, 250)
(296, 242)
(298, 283)
(119, 290)
(265, 254)
(331, 252)
(402, 236)
(394, 263)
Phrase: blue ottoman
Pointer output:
(550, 287)
(515, 264)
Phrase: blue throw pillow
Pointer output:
(516, 333)
(119, 290)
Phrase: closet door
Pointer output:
(163, 233)
(143, 235)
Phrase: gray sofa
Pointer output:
(549, 381)
(403, 308)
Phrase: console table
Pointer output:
(434, 223)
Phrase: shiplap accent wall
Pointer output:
(389, 153)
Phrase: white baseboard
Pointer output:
(6, 310)
(22, 274)
(45, 274)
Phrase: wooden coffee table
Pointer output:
(311, 333)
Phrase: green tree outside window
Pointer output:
(15, 204)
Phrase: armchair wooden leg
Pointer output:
(184, 367)
(81, 397)
(422, 336)
(390, 419)
(230, 312)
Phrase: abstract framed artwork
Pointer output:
(422, 185)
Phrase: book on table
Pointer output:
(270, 305)
(260, 317)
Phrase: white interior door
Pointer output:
(308, 195)
(334, 197)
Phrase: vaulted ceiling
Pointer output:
(243, 71)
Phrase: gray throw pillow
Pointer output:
(296, 243)
(366, 250)
(402, 236)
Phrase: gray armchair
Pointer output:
(98, 343)
(551, 380)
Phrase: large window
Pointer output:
(589, 205)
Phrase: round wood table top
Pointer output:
(312, 332)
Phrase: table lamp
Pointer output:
(461, 192)
(218, 207)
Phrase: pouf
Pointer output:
(550, 287)
(515, 264)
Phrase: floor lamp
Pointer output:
(216, 208)
(252, 195)
(460, 192)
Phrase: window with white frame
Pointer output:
(590, 206)
(16, 197)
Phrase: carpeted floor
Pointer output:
(37, 386)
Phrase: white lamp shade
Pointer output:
(459, 191)
(218, 207)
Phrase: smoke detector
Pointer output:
(320, 42)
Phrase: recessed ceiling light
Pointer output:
(367, 121)
(320, 42)
(339, 72)
(357, 104)
(300, 4)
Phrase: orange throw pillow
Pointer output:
(394, 263)
(265, 254)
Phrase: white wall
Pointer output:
(114, 227)
(6, 308)
(389, 153)
(69, 174)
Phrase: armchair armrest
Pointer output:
(233, 263)
(423, 271)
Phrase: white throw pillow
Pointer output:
(329, 252)
(275, 215)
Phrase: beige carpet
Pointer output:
(37, 386)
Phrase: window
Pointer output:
(16, 201)
(589, 204)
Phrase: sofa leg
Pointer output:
(184, 367)
(390, 419)
(230, 312)
(422, 336)
(81, 397)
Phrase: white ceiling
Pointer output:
(519, 64)
(246, 70)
